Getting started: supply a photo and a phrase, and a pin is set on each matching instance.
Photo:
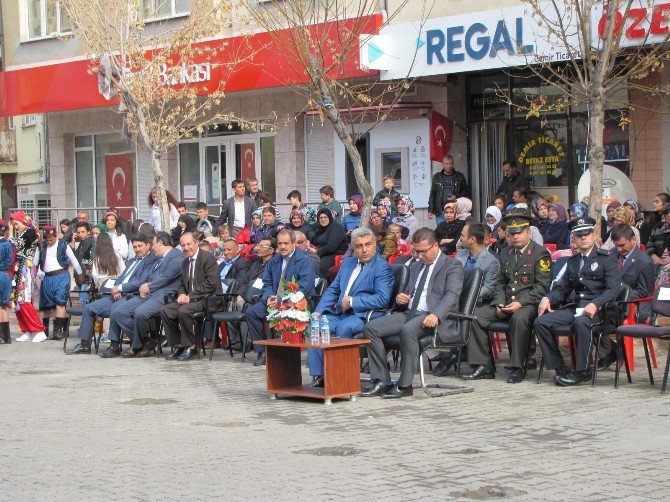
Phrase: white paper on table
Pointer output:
(664, 294)
(258, 284)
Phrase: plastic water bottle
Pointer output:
(325, 330)
(314, 331)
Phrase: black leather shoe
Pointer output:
(114, 350)
(377, 389)
(176, 352)
(317, 381)
(188, 353)
(260, 359)
(515, 375)
(560, 372)
(147, 348)
(574, 378)
(397, 392)
(82, 348)
(480, 373)
(443, 367)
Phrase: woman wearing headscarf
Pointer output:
(384, 210)
(638, 218)
(329, 240)
(449, 231)
(540, 209)
(256, 222)
(376, 223)
(492, 217)
(578, 210)
(464, 208)
(622, 216)
(555, 230)
(353, 220)
(297, 223)
(184, 224)
(405, 217)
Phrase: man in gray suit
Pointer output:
(236, 211)
(133, 316)
(433, 291)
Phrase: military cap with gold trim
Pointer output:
(517, 220)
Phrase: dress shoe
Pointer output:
(560, 372)
(164, 343)
(377, 389)
(176, 352)
(480, 373)
(574, 378)
(188, 354)
(82, 348)
(147, 348)
(317, 381)
(515, 375)
(260, 359)
(443, 367)
(531, 364)
(130, 353)
(114, 350)
(397, 392)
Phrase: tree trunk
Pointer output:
(596, 157)
(162, 201)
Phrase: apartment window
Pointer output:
(158, 9)
(46, 18)
(29, 120)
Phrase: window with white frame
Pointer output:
(159, 9)
(46, 18)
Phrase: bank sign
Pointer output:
(499, 38)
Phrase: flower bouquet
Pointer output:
(291, 315)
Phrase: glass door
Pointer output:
(213, 172)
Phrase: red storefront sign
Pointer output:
(69, 86)
(645, 24)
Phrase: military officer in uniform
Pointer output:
(592, 276)
(523, 279)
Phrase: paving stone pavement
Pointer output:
(87, 428)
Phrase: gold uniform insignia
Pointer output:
(545, 265)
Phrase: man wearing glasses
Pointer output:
(433, 291)
(301, 242)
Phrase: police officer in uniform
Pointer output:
(592, 275)
(523, 279)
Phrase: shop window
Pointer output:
(46, 18)
(393, 162)
(541, 152)
(97, 159)
(160, 9)
(362, 147)
(487, 98)
(189, 174)
(615, 141)
(268, 165)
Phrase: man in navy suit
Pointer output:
(364, 283)
(136, 273)
(637, 272)
(289, 262)
(133, 316)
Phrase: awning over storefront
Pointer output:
(70, 86)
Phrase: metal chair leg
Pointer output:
(540, 370)
(646, 356)
(665, 374)
(450, 389)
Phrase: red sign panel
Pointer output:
(119, 177)
(50, 88)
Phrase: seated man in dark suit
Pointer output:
(637, 272)
(199, 277)
(234, 266)
(135, 274)
(287, 263)
(132, 317)
(364, 282)
(432, 292)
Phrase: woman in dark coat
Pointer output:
(555, 230)
(184, 224)
(449, 231)
(329, 239)
(297, 224)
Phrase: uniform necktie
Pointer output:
(622, 260)
(419, 289)
(581, 262)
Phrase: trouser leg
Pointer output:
(583, 330)
(375, 331)
(171, 323)
(256, 315)
(543, 324)
(478, 345)
(341, 326)
(409, 347)
(521, 327)
(150, 308)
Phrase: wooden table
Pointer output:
(341, 368)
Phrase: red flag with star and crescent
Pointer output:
(440, 136)
(119, 177)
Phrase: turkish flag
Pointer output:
(248, 160)
(440, 136)
(119, 176)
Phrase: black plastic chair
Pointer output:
(472, 282)
(644, 332)
(202, 320)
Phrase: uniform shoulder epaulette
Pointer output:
(604, 252)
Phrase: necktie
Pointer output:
(130, 271)
(419, 289)
(581, 263)
(622, 260)
(280, 288)
(191, 268)
(354, 277)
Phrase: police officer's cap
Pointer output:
(582, 226)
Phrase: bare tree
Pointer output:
(599, 58)
(318, 40)
(157, 70)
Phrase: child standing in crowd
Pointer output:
(25, 239)
(388, 191)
